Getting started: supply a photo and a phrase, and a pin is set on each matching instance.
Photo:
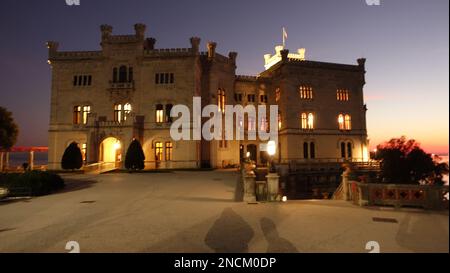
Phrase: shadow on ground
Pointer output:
(229, 234)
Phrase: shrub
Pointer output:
(72, 158)
(134, 159)
(35, 183)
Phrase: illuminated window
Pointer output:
(307, 120)
(341, 122)
(306, 92)
(169, 148)
(277, 94)
(77, 114)
(159, 113)
(264, 125)
(342, 95)
(83, 151)
(86, 111)
(118, 112)
(279, 121)
(251, 124)
(158, 151)
(126, 110)
(348, 122)
(221, 100)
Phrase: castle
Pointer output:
(104, 99)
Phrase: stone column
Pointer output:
(31, 160)
(345, 176)
(272, 186)
(249, 187)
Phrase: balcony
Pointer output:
(121, 85)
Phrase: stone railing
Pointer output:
(398, 195)
(121, 85)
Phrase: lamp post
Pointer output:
(272, 176)
(271, 150)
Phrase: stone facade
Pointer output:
(103, 99)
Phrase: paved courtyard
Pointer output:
(195, 211)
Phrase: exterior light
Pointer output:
(271, 148)
(117, 145)
(248, 154)
(284, 198)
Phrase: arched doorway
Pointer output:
(110, 150)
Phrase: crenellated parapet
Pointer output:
(270, 60)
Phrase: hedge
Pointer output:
(34, 183)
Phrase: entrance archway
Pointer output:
(110, 150)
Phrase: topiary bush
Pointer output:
(72, 158)
(134, 159)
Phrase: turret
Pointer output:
(195, 44)
(140, 30)
(211, 50)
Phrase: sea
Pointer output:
(16, 159)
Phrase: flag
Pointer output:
(284, 36)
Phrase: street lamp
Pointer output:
(271, 150)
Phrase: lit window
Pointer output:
(118, 112)
(158, 151)
(251, 124)
(86, 111)
(126, 110)
(169, 148)
(221, 100)
(77, 114)
(307, 120)
(159, 113)
(342, 95)
(341, 122)
(83, 151)
(306, 92)
(264, 124)
(279, 121)
(277, 94)
(348, 122)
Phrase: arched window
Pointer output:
(126, 110)
(158, 151)
(341, 122)
(77, 114)
(312, 149)
(130, 74)
(304, 120)
(86, 111)
(343, 149)
(159, 113)
(168, 109)
(118, 112)
(349, 150)
(310, 121)
(169, 150)
(123, 74)
(305, 150)
(306, 92)
(348, 122)
(115, 74)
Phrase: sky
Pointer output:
(405, 42)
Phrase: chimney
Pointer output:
(362, 62)
(211, 50)
(150, 43)
(284, 55)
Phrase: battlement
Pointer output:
(246, 78)
(270, 60)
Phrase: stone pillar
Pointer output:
(345, 195)
(1, 161)
(272, 186)
(31, 160)
(249, 187)
(211, 50)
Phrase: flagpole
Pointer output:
(282, 34)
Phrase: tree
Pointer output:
(72, 158)
(8, 130)
(404, 162)
(134, 159)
